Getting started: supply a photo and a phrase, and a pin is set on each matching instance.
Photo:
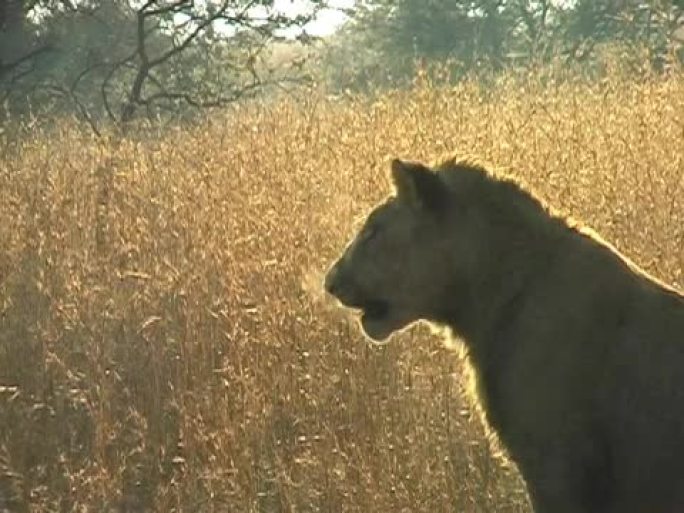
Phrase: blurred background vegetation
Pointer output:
(118, 60)
(387, 38)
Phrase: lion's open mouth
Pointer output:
(375, 309)
(379, 318)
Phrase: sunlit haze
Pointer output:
(327, 20)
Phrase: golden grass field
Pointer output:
(164, 341)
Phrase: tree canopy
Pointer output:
(115, 59)
(391, 35)
(119, 59)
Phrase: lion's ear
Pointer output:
(418, 185)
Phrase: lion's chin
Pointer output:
(379, 328)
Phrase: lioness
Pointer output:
(579, 355)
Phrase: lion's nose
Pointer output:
(331, 283)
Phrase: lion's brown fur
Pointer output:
(579, 354)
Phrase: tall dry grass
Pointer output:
(164, 343)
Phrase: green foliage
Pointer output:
(121, 59)
(388, 37)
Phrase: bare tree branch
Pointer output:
(107, 79)
(146, 66)
(6, 69)
(81, 108)
(175, 7)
